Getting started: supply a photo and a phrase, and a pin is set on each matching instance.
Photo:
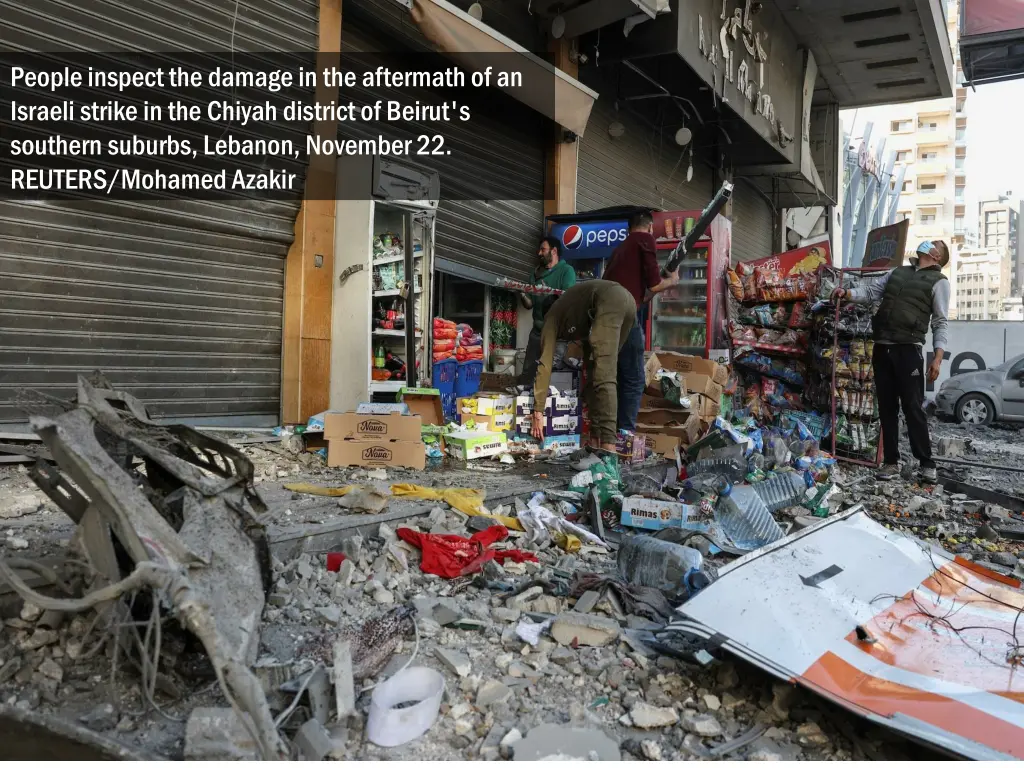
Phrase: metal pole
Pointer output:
(410, 303)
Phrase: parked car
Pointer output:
(981, 397)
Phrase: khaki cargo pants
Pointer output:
(614, 315)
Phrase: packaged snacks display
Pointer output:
(788, 370)
(773, 285)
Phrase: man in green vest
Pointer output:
(911, 298)
(554, 273)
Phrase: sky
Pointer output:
(995, 140)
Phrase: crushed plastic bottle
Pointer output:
(745, 519)
(650, 562)
(732, 469)
(786, 489)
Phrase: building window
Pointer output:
(908, 186)
(927, 218)
(928, 187)
(928, 127)
(929, 155)
(899, 126)
(903, 156)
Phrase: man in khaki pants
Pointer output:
(601, 314)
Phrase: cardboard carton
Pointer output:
(656, 402)
(487, 405)
(356, 426)
(654, 515)
(467, 446)
(688, 430)
(562, 406)
(423, 402)
(687, 365)
(376, 453)
(498, 423)
(662, 445)
(561, 425)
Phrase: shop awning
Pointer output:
(547, 89)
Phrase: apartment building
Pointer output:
(928, 141)
(981, 278)
(998, 227)
(1013, 309)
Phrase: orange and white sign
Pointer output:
(884, 625)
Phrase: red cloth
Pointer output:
(452, 556)
(634, 265)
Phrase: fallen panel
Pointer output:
(937, 656)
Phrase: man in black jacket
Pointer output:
(912, 298)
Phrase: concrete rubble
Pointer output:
(594, 686)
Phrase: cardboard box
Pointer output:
(355, 426)
(499, 423)
(687, 365)
(688, 431)
(496, 382)
(400, 408)
(649, 402)
(662, 445)
(486, 405)
(423, 402)
(630, 447)
(467, 446)
(376, 453)
(570, 441)
(562, 406)
(524, 405)
(700, 384)
(561, 425)
(654, 515)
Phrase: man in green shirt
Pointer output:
(554, 273)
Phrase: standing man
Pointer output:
(601, 314)
(634, 266)
(912, 298)
(554, 273)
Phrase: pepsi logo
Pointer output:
(572, 238)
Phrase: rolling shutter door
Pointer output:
(638, 168)
(478, 239)
(752, 228)
(178, 302)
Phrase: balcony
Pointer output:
(933, 199)
(931, 168)
(928, 231)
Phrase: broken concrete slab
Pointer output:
(646, 716)
(313, 741)
(217, 733)
(457, 662)
(587, 602)
(344, 682)
(556, 742)
(492, 692)
(951, 447)
(584, 629)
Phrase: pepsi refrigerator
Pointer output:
(689, 318)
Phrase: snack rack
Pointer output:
(856, 429)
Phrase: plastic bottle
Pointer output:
(379, 357)
(783, 490)
(745, 519)
(732, 469)
(650, 562)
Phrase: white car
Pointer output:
(981, 397)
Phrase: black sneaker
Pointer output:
(888, 472)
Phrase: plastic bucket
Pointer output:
(388, 726)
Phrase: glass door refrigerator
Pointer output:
(690, 318)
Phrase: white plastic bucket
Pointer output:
(390, 727)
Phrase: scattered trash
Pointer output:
(453, 556)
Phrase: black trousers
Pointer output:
(899, 381)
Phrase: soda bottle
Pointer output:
(379, 357)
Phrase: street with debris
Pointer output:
(545, 641)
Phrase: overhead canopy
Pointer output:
(545, 88)
(992, 40)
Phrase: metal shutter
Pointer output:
(478, 239)
(752, 225)
(638, 168)
(180, 303)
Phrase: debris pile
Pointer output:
(590, 607)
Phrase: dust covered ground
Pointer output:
(498, 687)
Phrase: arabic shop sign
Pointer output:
(743, 49)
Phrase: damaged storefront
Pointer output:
(182, 301)
(697, 94)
